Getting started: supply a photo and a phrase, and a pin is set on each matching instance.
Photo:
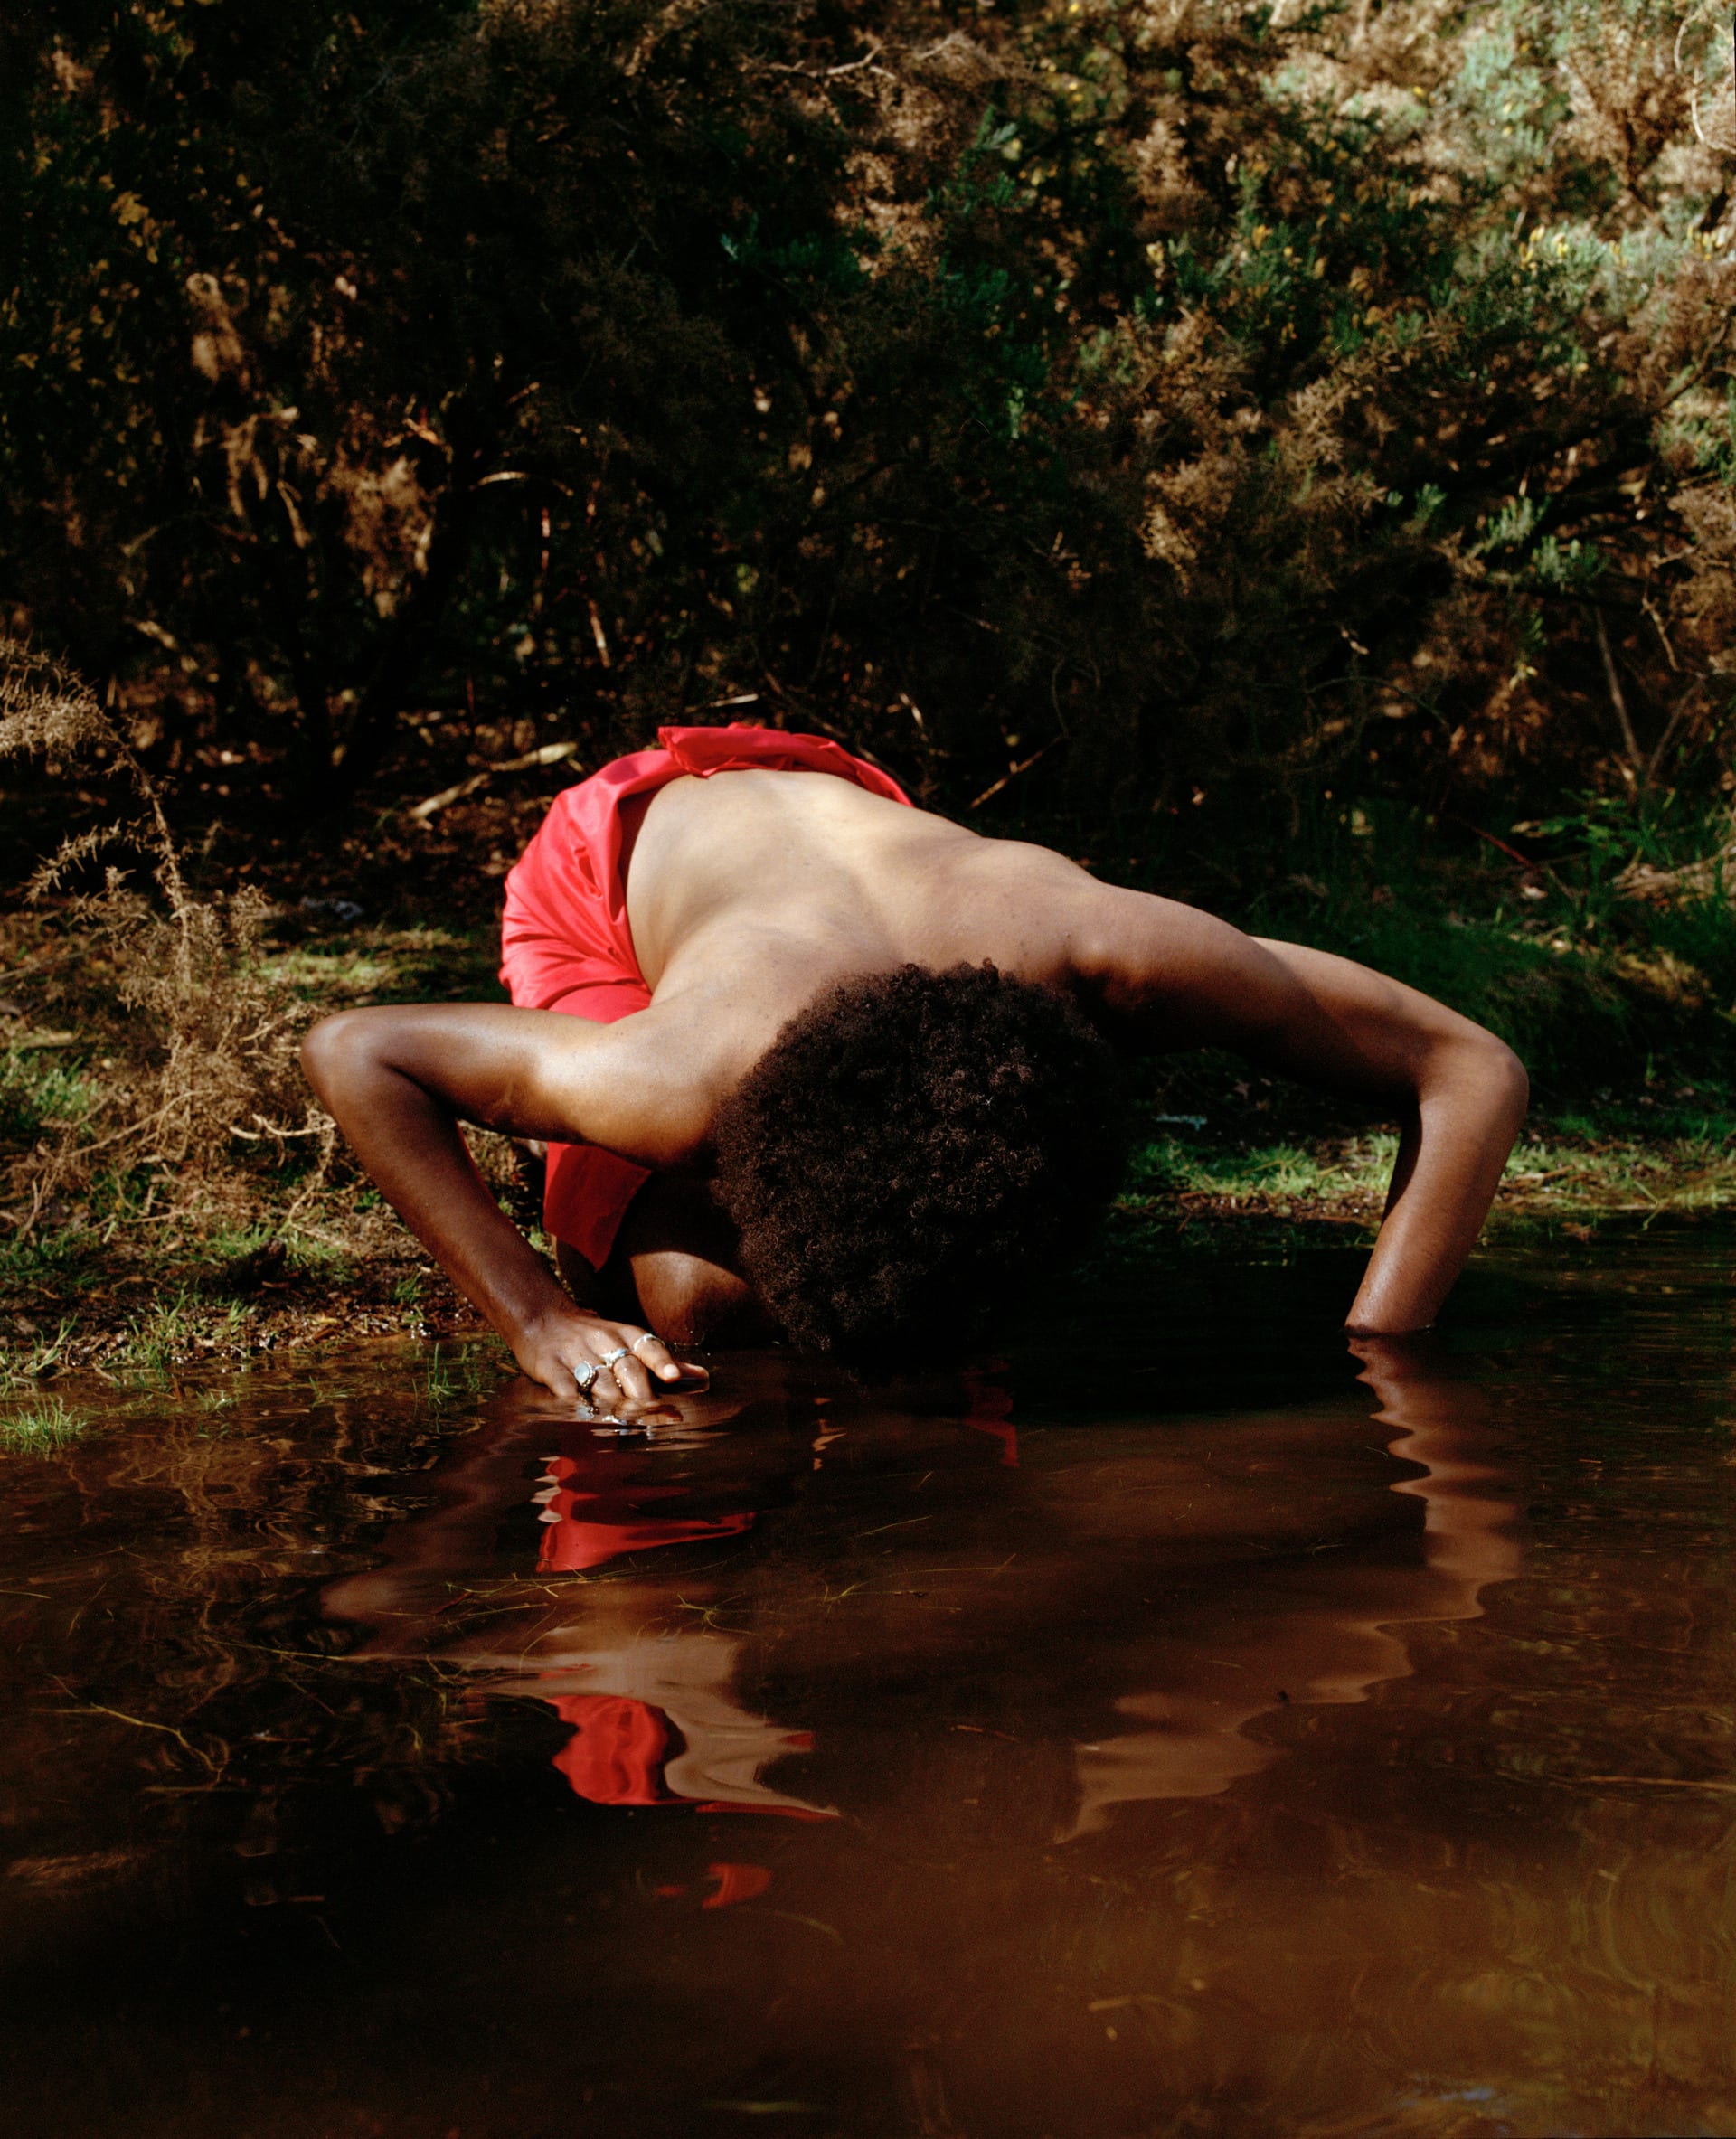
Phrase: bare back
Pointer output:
(750, 892)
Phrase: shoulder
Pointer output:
(1124, 953)
(649, 1086)
(1175, 975)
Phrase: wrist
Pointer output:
(542, 1315)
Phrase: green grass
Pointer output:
(38, 1090)
(1596, 991)
(37, 1358)
(175, 1328)
(450, 1380)
(1554, 1172)
(41, 1427)
(351, 967)
(1355, 1170)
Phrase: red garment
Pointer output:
(585, 1530)
(616, 1756)
(617, 1748)
(566, 946)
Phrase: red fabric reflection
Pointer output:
(619, 1746)
(616, 1750)
(580, 1531)
(616, 1753)
(989, 1410)
(735, 1883)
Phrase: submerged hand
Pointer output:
(614, 1365)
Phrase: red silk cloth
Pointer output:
(565, 943)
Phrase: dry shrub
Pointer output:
(201, 1083)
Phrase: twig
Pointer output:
(1524, 862)
(550, 754)
(1634, 755)
(1013, 772)
(96, 1707)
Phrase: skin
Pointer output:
(749, 893)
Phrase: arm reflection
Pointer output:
(1188, 1581)
(653, 1722)
(1313, 1630)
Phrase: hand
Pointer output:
(557, 1349)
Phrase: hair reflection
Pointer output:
(1213, 1571)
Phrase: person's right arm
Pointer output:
(400, 1080)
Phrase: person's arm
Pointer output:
(400, 1080)
(1180, 978)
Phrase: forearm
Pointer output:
(1449, 1164)
(410, 1143)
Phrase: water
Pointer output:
(1160, 1731)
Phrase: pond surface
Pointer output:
(1178, 1726)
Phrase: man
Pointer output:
(807, 1054)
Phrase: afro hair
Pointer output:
(912, 1147)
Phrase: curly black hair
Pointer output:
(911, 1147)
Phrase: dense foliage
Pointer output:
(1186, 396)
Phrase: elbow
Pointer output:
(1514, 1083)
(1477, 1079)
(1502, 1080)
(334, 1051)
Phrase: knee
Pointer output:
(678, 1249)
(690, 1301)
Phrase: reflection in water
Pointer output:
(654, 1719)
(1337, 1637)
(1164, 1737)
(653, 1722)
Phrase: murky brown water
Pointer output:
(1160, 1731)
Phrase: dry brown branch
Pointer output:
(202, 1032)
(550, 754)
(1712, 876)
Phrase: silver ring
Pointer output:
(584, 1374)
(644, 1337)
(620, 1351)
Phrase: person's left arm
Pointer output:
(1175, 977)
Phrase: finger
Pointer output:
(615, 1359)
(660, 1361)
(634, 1381)
(565, 1384)
(585, 1376)
(655, 1355)
(607, 1395)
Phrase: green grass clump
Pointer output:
(1350, 1172)
(39, 1427)
(176, 1328)
(449, 1379)
(38, 1092)
(18, 1369)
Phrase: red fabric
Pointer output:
(616, 1753)
(735, 1883)
(565, 943)
(580, 1533)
